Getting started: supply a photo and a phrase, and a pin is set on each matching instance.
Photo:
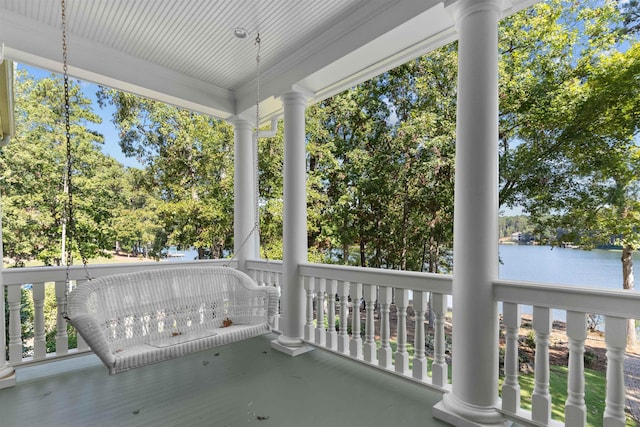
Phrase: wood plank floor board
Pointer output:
(231, 386)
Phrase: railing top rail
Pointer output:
(19, 276)
(263, 264)
(413, 280)
(611, 302)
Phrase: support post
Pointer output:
(245, 235)
(295, 226)
(474, 395)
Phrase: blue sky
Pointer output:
(106, 128)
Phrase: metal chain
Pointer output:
(256, 225)
(67, 133)
(69, 217)
(256, 150)
(68, 212)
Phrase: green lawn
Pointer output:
(595, 385)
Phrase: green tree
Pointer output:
(569, 121)
(33, 168)
(189, 167)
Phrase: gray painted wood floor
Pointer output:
(242, 384)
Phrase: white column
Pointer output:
(245, 236)
(7, 375)
(294, 223)
(474, 392)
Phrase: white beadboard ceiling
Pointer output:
(184, 51)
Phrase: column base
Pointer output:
(460, 414)
(290, 346)
(7, 378)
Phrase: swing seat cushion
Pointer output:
(132, 320)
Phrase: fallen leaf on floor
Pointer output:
(217, 354)
(262, 418)
(136, 412)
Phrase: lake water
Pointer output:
(596, 268)
(575, 267)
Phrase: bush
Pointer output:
(530, 340)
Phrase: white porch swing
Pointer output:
(132, 320)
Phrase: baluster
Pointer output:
(62, 338)
(308, 327)
(332, 335)
(39, 336)
(384, 352)
(370, 342)
(615, 330)
(7, 373)
(402, 356)
(82, 344)
(541, 399)
(263, 276)
(343, 336)
(355, 345)
(575, 410)
(511, 387)
(320, 330)
(276, 283)
(439, 369)
(419, 359)
(15, 328)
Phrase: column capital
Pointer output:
(295, 97)
(239, 122)
(463, 8)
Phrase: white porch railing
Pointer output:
(394, 302)
(338, 293)
(16, 279)
(331, 291)
(615, 305)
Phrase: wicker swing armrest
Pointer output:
(88, 327)
(273, 296)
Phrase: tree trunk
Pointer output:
(627, 283)
(345, 253)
